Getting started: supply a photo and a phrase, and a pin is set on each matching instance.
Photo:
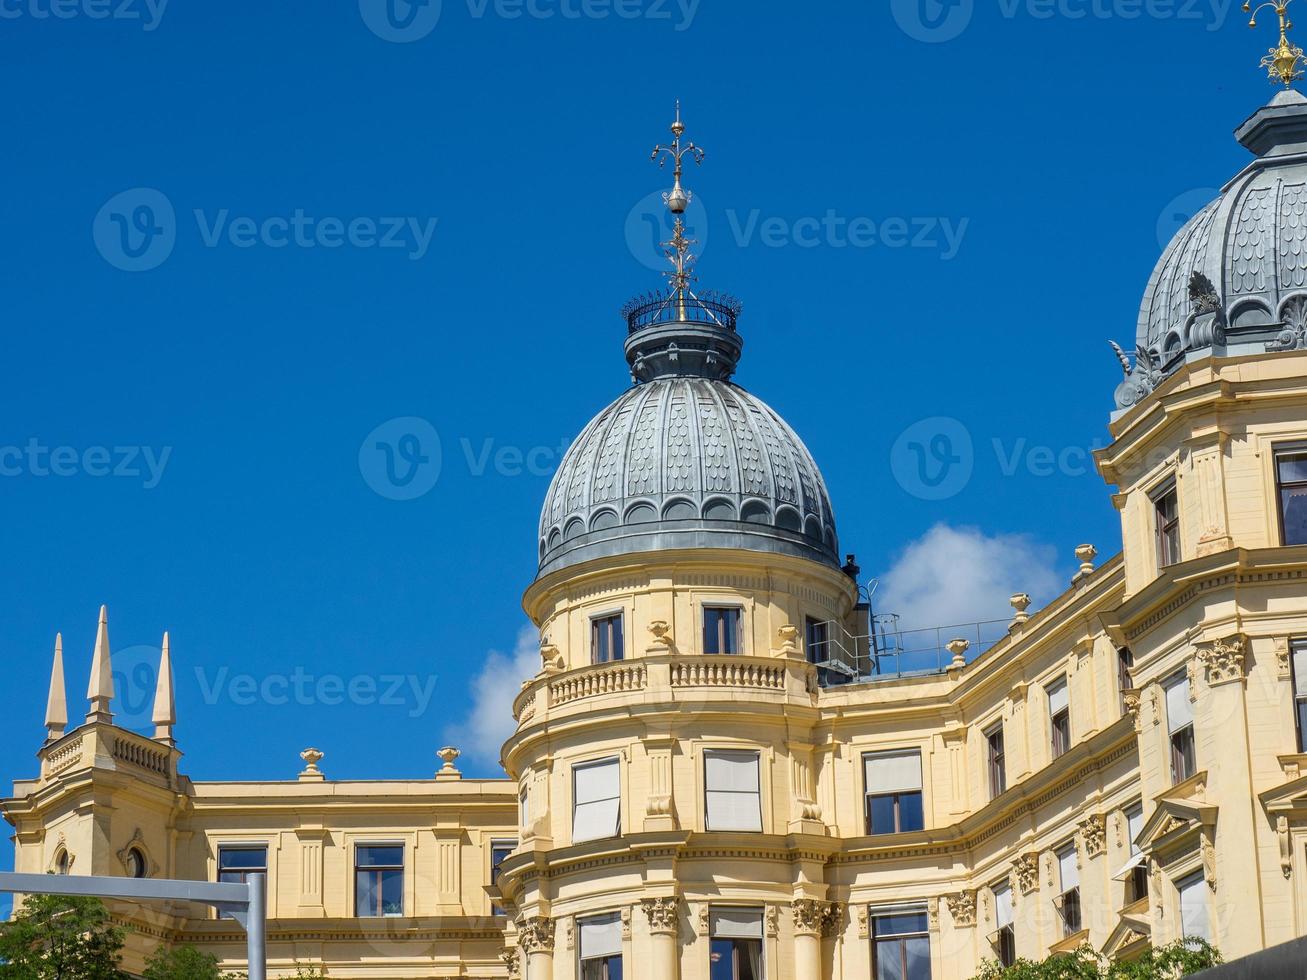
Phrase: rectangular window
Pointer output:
(378, 880)
(893, 790)
(499, 851)
(1068, 903)
(997, 765)
(900, 945)
(596, 792)
(721, 629)
(1135, 872)
(1004, 937)
(1180, 723)
(1166, 517)
(733, 794)
(1300, 691)
(235, 862)
(1291, 481)
(1059, 713)
(1125, 662)
(817, 636)
(600, 942)
(606, 639)
(735, 950)
(1194, 918)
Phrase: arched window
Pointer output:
(63, 862)
(135, 863)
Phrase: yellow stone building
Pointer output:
(725, 771)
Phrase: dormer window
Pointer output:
(1166, 517)
(1291, 483)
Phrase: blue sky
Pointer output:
(938, 212)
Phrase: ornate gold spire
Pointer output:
(1282, 61)
(677, 200)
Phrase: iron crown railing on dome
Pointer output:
(655, 309)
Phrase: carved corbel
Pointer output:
(1225, 659)
(664, 913)
(1026, 870)
(1286, 847)
(962, 908)
(551, 659)
(1093, 835)
(536, 934)
(1133, 699)
(1283, 658)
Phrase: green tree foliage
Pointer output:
(183, 963)
(1168, 962)
(58, 938)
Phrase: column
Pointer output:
(664, 926)
(535, 936)
(812, 920)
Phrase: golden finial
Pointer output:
(677, 200)
(1281, 62)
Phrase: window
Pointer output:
(997, 768)
(135, 864)
(596, 795)
(734, 800)
(1180, 723)
(1135, 871)
(1300, 691)
(1059, 713)
(1068, 903)
(817, 636)
(499, 852)
(378, 880)
(236, 863)
(1194, 919)
(1291, 480)
(900, 945)
(63, 862)
(1166, 518)
(606, 639)
(893, 788)
(601, 947)
(735, 950)
(1004, 937)
(1125, 662)
(721, 629)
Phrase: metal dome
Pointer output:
(686, 462)
(1234, 278)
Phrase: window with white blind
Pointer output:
(596, 800)
(733, 796)
(893, 791)
(600, 945)
(1135, 871)
(1004, 937)
(1300, 691)
(1068, 902)
(1059, 713)
(1180, 723)
(735, 946)
(1195, 920)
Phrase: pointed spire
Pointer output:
(56, 705)
(165, 704)
(100, 690)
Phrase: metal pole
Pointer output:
(256, 928)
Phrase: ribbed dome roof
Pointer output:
(1234, 278)
(686, 462)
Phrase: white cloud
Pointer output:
(958, 575)
(489, 723)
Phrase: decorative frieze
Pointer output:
(962, 908)
(1093, 834)
(536, 934)
(1224, 659)
(663, 914)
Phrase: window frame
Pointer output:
(1004, 938)
(722, 607)
(1181, 742)
(402, 868)
(1059, 736)
(1136, 881)
(898, 939)
(1298, 645)
(242, 873)
(1166, 534)
(1125, 663)
(735, 941)
(720, 752)
(615, 761)
(1067, 902)
(1277, 451)
(493, 846)
(1198, 880)
(616, 639)
(606, 960)
(996, 762)
(896, 795)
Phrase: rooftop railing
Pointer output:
(889, 652)
(654, 309)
